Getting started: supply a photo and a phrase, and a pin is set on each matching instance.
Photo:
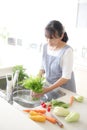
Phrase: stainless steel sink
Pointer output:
(22, 97)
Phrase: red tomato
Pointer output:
(44, 105)
(48, 109)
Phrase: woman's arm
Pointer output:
(57, 84)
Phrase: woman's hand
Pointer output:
(38, 95)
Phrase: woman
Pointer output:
(57, 59)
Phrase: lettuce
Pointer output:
(34, 83)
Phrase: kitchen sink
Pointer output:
(23, 98)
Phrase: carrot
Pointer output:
(51, 119)
(26, 110)
(71, 100)
(43, 111)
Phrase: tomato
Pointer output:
(48, 109)
(44, 105)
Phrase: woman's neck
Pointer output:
(58, 46)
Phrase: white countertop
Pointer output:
(13, 118)
(77, 107)
(81, 108)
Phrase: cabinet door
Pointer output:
(82, 14)
(81, 80)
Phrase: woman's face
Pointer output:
(52, 40)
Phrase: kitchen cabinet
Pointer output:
(82, 13)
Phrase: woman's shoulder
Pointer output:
(44, 46)
(69, 51)
(68, 48)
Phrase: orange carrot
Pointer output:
(51, 119)
(26, 110)
(43, 111)
(71, 100)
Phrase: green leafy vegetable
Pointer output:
(35, 83)
(56, 102)
(22, 74)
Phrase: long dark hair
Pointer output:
(54, 29)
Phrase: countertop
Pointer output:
(13, 118)
(76, 107)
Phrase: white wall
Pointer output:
(27, 19)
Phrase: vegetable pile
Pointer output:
(39, 115)
(53, 103)
(69, 116)
(59, 108)
(62, 111)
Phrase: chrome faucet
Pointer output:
(11, 83)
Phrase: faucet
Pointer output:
(15, 78)
(11, 83)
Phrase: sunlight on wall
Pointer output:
(11, 56)
(26, 20)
